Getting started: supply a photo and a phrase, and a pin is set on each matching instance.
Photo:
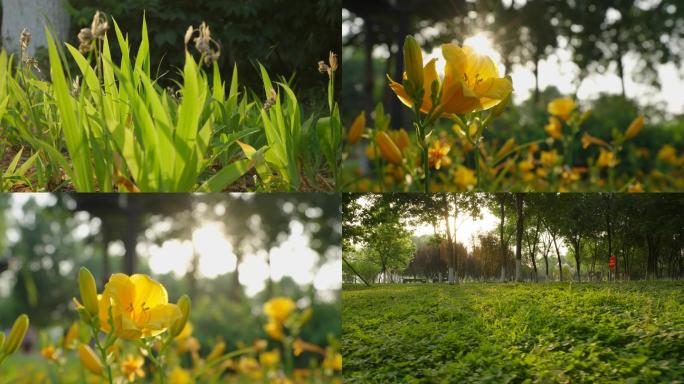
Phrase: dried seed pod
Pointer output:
(270, 100)
(25, 39)
(188, 35)
(333, 61)
(100, 25)
(323, 68)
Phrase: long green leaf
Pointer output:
(74, 135)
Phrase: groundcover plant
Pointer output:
(107, 125)
(493, 333)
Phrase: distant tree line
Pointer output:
(539, 237)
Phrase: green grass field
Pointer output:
(514, 333)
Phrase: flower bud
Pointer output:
(16, 335)
(356, 129)
(402, 139)
(89, 359)
(634, 128)
(86, 284)
(413, 64)
(218, 350)
(388, 149)
(178, 325)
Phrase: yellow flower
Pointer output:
(471, 83)
(332, 361)
(185, 333)
(606, 159)
(370, 152)
(356, 129)
(561, 107)
(588, 140)
(269, 359)
(248, 364)
(527, 164)
(217, 351)
(438, 154)
(635, 127)
(139, 305)
(279, 308)
(89, 359)
(549, 158)
(554, 128)
(668, 154)
(274, 330)
(50, 353)
(179, 376)
(388, 149)
(71, 336)
(401, 139)
(635, 188)
(505, 149)
(132, 367)
(464, 177)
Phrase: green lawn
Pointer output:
(514, 333)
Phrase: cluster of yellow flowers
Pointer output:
(130, 332)
(470, 94)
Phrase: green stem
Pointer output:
(103, 355)
(426, 165)
(223, 358)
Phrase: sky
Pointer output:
(293, 258)
(467, 227)
(559, 71)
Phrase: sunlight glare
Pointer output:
(215, 252)
(172, 256)
(253, 273)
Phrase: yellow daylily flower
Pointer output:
(50, 352)
(90, 360)
(274, 330)
(332, 361)
(668, 154)
(635, 127)
(139, 305)
(527, 164)
(635, 188)
(401, 139)
(132, 367)
(279, 308)
(554, 128)
(179, 376)
(471, 82)
(549, 158)
(562, 107)
(464, 177)
(269, 359)
(588, 140)
(388, 149)
(606, 159)
(438, 154)
(356, 130)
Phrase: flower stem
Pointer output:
(103, 355)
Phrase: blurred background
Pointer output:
(288, 37)
(620, 58)
(229, 252)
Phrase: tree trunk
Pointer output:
(106, 239)
(609, 228)
(536, 77)
(518, 235)
(369, 75)
(620, 64)
(131, 235)
(501, 239)
(560, 267)
(451, 260)
(547, 246)
(33, 15)
(576, 243)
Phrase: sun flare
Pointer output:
(481, 44)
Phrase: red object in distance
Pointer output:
(612, 262)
